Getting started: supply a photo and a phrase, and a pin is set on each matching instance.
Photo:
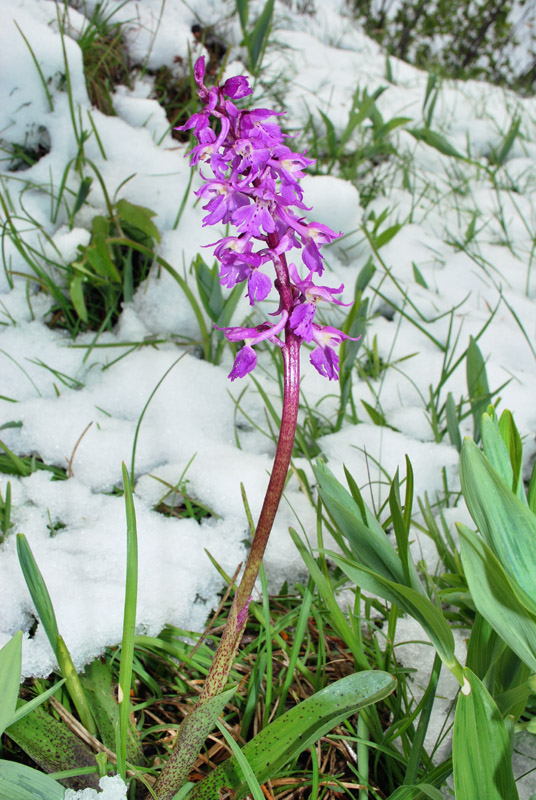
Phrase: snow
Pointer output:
(79, 406)
(113, 788)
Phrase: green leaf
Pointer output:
(252, 782)
(209, 288)
(477, 385)
(52, 745)
(19, 465)
(97, 682)
(129, 624)
(295, 730)
(83, 191)
(192, 733)
(99, 257)
(76, 293)
(435, 140)
(10, 667)
(38, 591)
(484, 648)
(500, 156)
(495, 598)
(331, 136)
(411, 602)
(386, 235)
(368, 540)
(416, 792)
(19, 782)
(27, 708)
(514, 446)
(139, 217)
(393, 123)
(417, 274)
(259, 36)
(480, 746)
(453, 427)
(45, 610)
(242, 6)
(507, 525)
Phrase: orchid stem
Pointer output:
(177, 768)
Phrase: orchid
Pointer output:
(255, 189)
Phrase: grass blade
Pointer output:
(129, 625)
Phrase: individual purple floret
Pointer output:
(255, 189)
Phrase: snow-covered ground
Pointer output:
(434, 271)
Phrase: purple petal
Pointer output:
(301, 320)
(259, 286)
(236, 87)
(245, 362)
(326, 361)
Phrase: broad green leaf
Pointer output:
(369, 541)
(52, 745)
(19, 782)
(295, 730)
(435, 140)
(480, 746)
(495, 598)
(10, 667)
(507, 525)
(139, 217)
(495, 450)
(484, 648)
(410, 601)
